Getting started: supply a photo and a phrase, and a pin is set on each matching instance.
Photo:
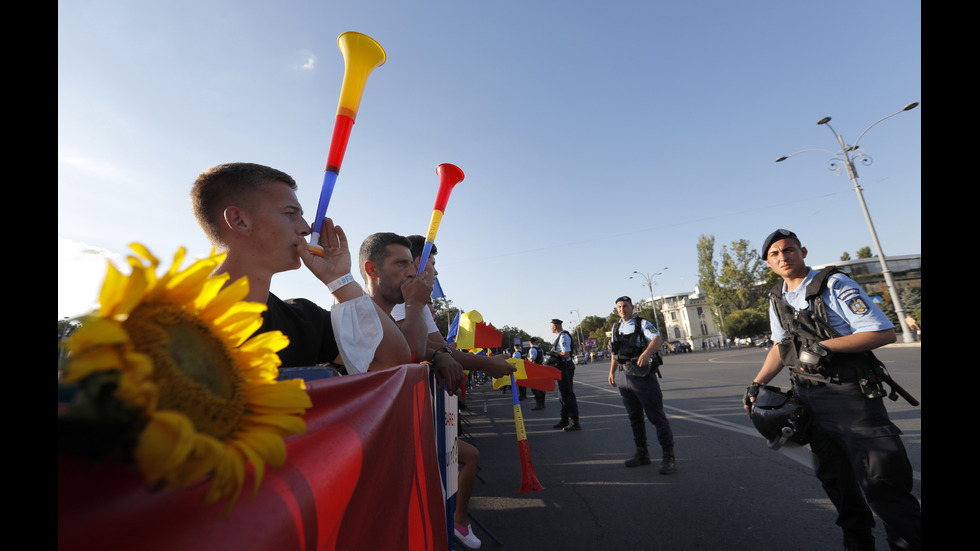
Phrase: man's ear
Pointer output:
(237, 221)
(803, 250)
(370, 268)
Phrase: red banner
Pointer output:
(364, 476)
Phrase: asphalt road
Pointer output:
(729, 492)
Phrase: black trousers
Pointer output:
(643, 394)
(538, 396)
(862, 465)
(566, 392)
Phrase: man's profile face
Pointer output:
(430, 271)
(396, 267)
(278, 225)
(625, 310)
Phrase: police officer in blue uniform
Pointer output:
(825, 327)
(566, 389)
(633, 368)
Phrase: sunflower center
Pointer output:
(193, 368)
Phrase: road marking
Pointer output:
(800, 454)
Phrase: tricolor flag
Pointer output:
(473, 332)
(531, 375)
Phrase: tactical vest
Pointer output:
(626, 353)
(810, 325)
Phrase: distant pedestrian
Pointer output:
(914, 327)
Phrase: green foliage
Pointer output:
(844, 257)
(445, 313)
(747, 323)
(864, 252)
(739, 282)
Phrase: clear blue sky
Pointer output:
(597, 138)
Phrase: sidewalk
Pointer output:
(900, 344)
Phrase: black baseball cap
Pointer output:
(624, 298)
(777, 235)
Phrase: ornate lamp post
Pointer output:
(846, 157)
(649, 280)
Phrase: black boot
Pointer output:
(561, 424)
(667, 466)
(642, 457)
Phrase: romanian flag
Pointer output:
(531, 375)
(473, 332)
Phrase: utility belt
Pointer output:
(631, 367)
(840, 375)
(866, 370)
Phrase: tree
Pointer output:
(864, 252)
(741, 281)
(742, 270)
(844, 257)
(748, 322)
(707, 281)
(445, 313)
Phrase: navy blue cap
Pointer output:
(776, 236)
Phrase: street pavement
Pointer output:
(729, 492)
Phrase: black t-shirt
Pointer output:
(311, 340)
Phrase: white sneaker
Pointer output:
(466, 535)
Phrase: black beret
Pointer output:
(777, 235)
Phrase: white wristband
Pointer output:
(339, 282)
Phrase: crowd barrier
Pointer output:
(370, 473)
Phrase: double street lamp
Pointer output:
(847, 156)
(653, 303)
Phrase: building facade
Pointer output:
(687, 319)
(687, 316)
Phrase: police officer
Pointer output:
(825, 329)
(566, 392)
(633, 369)
(536, 356)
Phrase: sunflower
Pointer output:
(175, 350)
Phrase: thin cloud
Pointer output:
(309, 62)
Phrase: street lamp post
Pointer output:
(653, 302)
(847, 156)
(578, 329)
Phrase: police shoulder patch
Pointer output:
(858, 306)
(849, 294)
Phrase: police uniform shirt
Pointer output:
(849, 308)
(564, 344)
(533, 355)
(626, 329)
(517, 354)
